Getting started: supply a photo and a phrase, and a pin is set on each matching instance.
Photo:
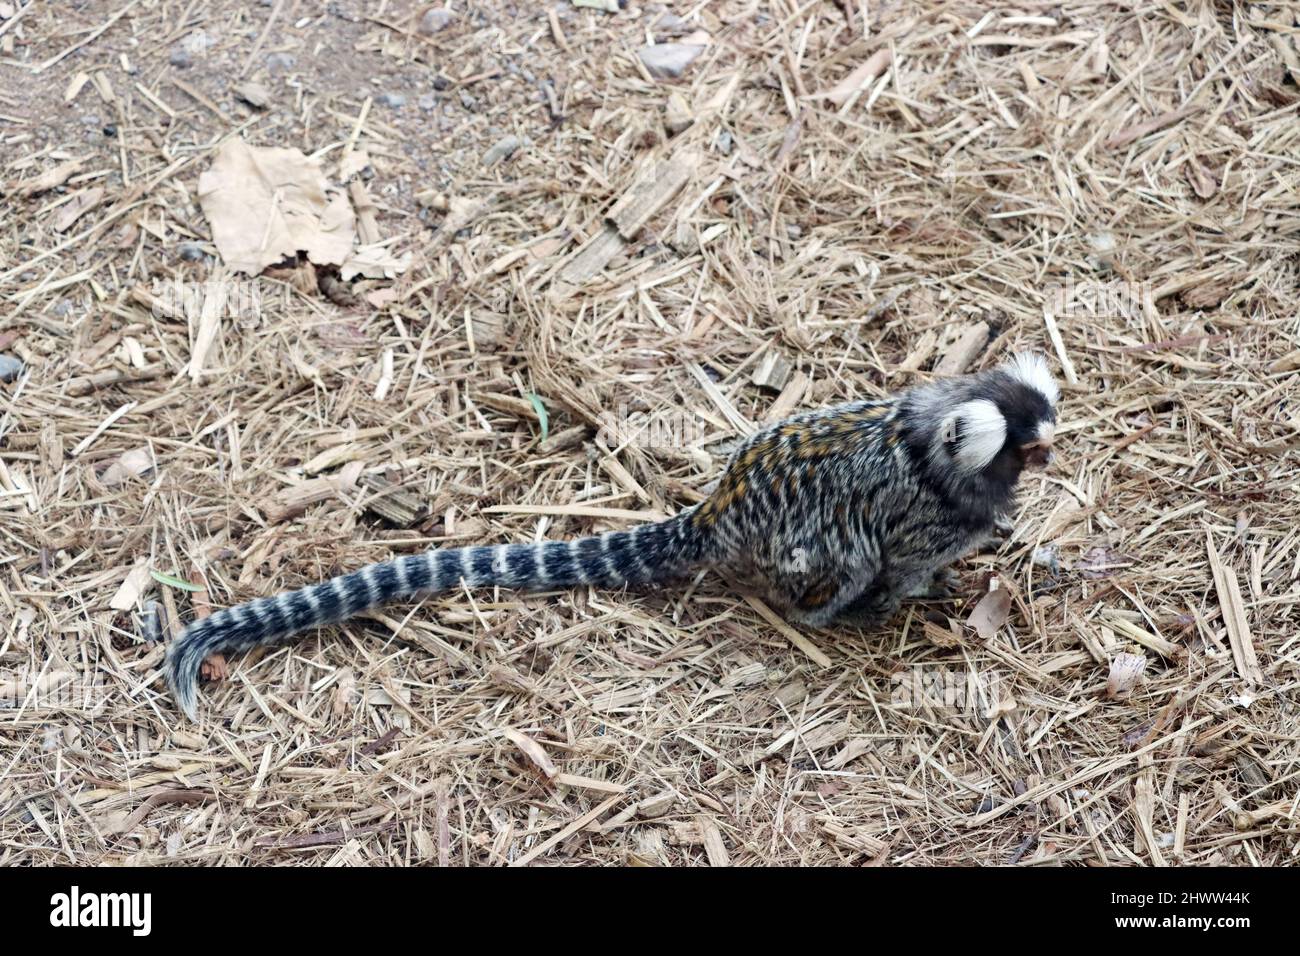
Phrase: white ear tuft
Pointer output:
(1030, 369)
(980, 432)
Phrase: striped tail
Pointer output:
(643, 555)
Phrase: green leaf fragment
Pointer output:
(170, 581)
(542, 418)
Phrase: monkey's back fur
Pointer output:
(839, 513)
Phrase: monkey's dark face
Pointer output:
(1030, 429)
(1031, 426)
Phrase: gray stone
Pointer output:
(677, 114)
(503, 148)
(10, 368)
(180, 57)
(669, 60)
(392, 100)
(435, 21)
(190, 251)
(281, 62)
(254, 94)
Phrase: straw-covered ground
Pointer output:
(832, 200)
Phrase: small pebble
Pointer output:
(677, 114)
(190, 251)
(503, 148)
(254, 94)
(180, 57)
(440, 83)
(61, 309)
(666, 60)
(10, 368)
(428, 102)
(110, 130)
(436, 21)
(280, 61)
(468, 101)
(392, 100)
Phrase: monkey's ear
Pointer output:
(972, 434)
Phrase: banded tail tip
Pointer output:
(182, 675)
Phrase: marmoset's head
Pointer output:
(1005, 420)
(981, 431)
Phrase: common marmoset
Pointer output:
(834, 515)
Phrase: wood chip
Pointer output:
(51, 178)
(773, 371)
(1234, 616)
(137, 582)
(650, 191)
(962, 353)
(714, 848)
(858, 78)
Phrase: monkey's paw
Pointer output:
(995, 537)
(945, 586)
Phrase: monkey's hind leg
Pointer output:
(872, 608)
(819, 603)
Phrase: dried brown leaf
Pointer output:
(990, 613)
(267, 203)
